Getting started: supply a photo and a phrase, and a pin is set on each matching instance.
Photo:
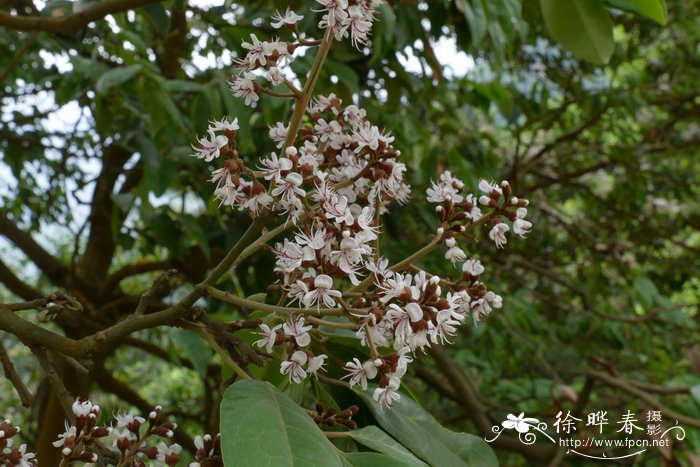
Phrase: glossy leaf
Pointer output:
(377, 439)
(652, 9)
(584, 27)
(372, 459)
(417, 430)
(115, 77)
(261, 426)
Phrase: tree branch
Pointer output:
(625, 386)
(11, 374)
(70, 24)
(15, 285)
(54, 270)
(113, 386)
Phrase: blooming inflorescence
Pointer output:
(332, 177)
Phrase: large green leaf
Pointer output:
(115, 77)
(417, 430)
(261, 426)
(375, 438)
(371, 459)
(584, 27)
(652, 9)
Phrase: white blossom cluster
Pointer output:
(13, 456)
(268, 59)
(126, 434)
(332, 180)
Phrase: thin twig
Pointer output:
(253, 305)
(202, 332)
(64, 397)
(11, 374)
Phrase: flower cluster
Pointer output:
(301, 363)
(333, 177)
(9, 455)
(208, 451)
(79, 441)
(343, 19)
(270, 59)
(332, 417)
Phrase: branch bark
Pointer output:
(625, 386)
(70, 24)
(49, 265)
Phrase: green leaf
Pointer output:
(115, 77)
(376, 439)
(157, 173)
(417, 430)
(261, 426)
(177, 85)
(158, 17)
(194, 348)
(652, 9)
(584, 27)
(372, 459)
(695, 392)
(197, 232)
(646, 291)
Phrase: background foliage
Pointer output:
(99, 193)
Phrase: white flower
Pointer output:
(354, 115)
(367, 136)
(447, 188)
(257, 202)
(298, 331)
(473, 267)
(125, 419)
(274, 76)
(495, 300)
(68, 434)
(327, 130)
(323, 292)
(258, 52)
(316, 364)
(520, 225)
(489, 188)
(418, 340)
(403, 361)
(294, 367)
(386, 396)
(359, 25)
(244, 86)
(288, 187)
(483, 306)
(269, 335)
(360, 372)
(165, 451)
(278, 133)
(316, 240)
(445, 327)
(210, 148)
(230, 194)
(498, 234)
(380, 269)
(454, 252)
(289, 18)
(27, 459)
(273, 166)
(82, 408)
(335, 13)
(224, 125)
(336, 208)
